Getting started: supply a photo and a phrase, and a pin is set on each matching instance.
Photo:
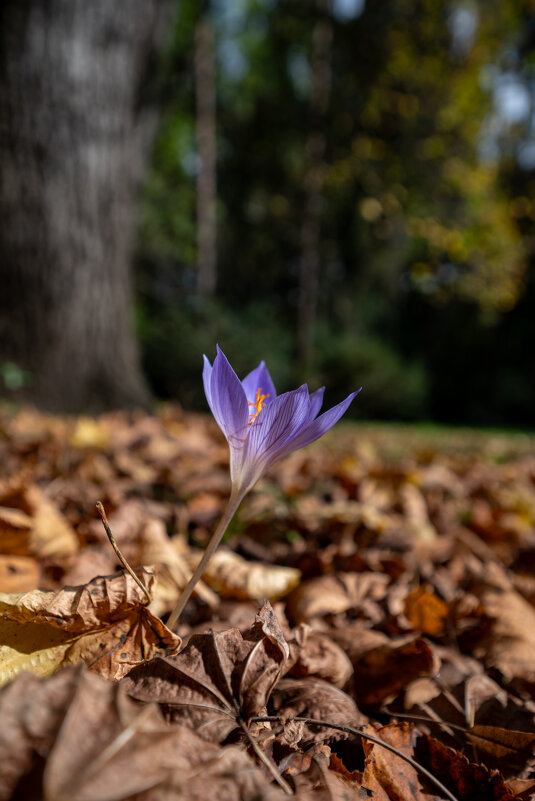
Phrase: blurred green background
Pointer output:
(389, 148)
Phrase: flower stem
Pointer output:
(230, 510)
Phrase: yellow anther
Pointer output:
(258, 405)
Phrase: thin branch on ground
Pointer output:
(372, 738)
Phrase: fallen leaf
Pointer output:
(315, 698)
(217, 679)
(333, 594)
(387, 775)
(104, 623)
(382, 672)
(231, 576)
(30, 523)
(316, 654)
(18, 573)
(504, 749)
(426, 611)
(466, 780)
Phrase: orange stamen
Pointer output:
(258, 405)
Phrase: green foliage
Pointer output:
(416, 214)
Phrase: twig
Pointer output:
(365, 736)
(115, 547)
(265, 760)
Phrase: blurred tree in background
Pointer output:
(75, 133)
(375, 166)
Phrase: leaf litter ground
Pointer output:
(380, 584)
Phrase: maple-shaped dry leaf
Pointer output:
(30, 523)
(333, 594)
(387, 775)
(232, 576)
(104, 623)
(218, 678)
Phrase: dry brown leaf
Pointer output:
(18, 573)
(234, 577)
(31, 524)
(232, 775)
(315, 698)
(77, 736)
(316, 654)
(333, 594)
(510, 643)
(217, 678)
(387, 775)
(426, 611)
(505, 749)
(104, 623)
(382, 672)
(109, 747)
(31, 711)
(466, 780)
(320, 783)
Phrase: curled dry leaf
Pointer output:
(316, 654)
(104, 623)
(234, 577)
(314, 698)
(217, 679)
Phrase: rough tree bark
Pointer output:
(73, 144)
(313, 184)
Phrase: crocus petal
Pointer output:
(318, 427)
(276, 423)
(259, 378)
(206, 377)
(227, 399)
(316, 402)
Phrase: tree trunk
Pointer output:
(73, 144)
(206, 151)
(313, 185)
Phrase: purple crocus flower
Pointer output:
(261, 427)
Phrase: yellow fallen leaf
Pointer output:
(104, 623)
(234, 577)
